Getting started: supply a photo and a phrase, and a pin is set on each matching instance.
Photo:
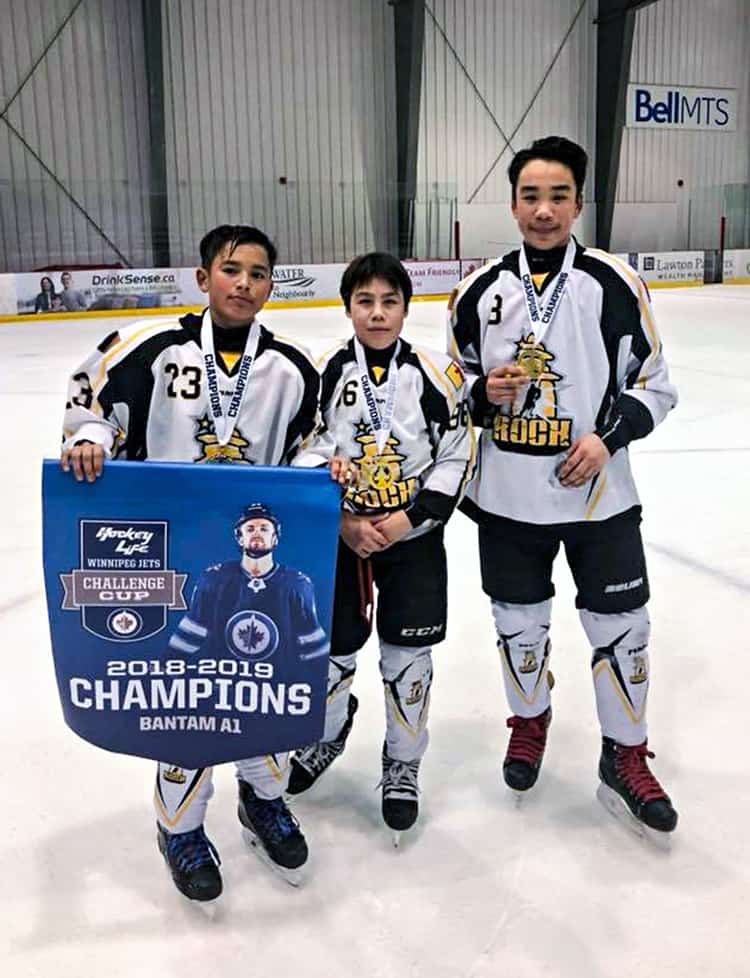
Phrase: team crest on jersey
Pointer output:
(416, 692)
(251, 635)
(382, 485)
(235, 449)
(123, 587)
(533, 427)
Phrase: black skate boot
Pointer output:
(400, 794)
(626, 778)
(193, 862)
(523, 758)
(273, 833)
(312, 761)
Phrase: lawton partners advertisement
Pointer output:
(190, 607)
(672, 268)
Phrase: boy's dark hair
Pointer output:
(234, 235)
(557, 149)
(375, 264)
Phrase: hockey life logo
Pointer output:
(533, 426)
(681, 107)
(123, 587)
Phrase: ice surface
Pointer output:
(554, 887)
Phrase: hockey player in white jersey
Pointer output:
(566, 369)
(216, 387)
(396, 415)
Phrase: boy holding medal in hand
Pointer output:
(396, 435)
(218, 387)
(566, 369)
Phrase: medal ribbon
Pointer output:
(381, 423)
(540, 317)
(224, 424)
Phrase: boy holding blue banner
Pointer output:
(566, 369)
(396, 433)
(218, 387)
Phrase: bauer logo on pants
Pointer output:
(122, 586)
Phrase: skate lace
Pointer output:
(400, 777)
(191, 850)
(273, 819)
(633, 771)
(318, 757)
(527, 739)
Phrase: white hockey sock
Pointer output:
(181, 796)
(407, 678)
(340, 678)
(268, 775)
(620, 667)
(524, 646)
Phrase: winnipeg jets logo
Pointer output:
(251, 635)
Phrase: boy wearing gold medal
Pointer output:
(566, 369)
(396, 434)
(216, 387)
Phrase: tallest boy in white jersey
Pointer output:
(566, 369)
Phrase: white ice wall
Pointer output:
(704, 43)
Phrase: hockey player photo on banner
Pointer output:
(190, 607)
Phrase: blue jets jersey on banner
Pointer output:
(160, 656)
(251, 617)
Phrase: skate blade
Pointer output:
(616, 807)
(294, 877)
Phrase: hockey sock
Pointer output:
(181, 796)
(407, 678)
(340, 678)
(523, 643)
(620, 667)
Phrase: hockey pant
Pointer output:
(620, 664)
(181, 795)
(407, 678)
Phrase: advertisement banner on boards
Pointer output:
(190, 606)
(83, 291)
(433, 277)
(677, 267)
(737, 266)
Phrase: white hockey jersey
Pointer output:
(599, 367)
(428, 457)
(142, 395)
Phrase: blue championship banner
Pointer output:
(190, 606)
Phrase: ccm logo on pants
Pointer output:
(422, 632)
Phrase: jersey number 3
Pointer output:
(190, 389)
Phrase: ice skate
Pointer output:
(193, 862)
(523, 758)
(400, 795)
(630, 792)
(273, 834)
(309, 763)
